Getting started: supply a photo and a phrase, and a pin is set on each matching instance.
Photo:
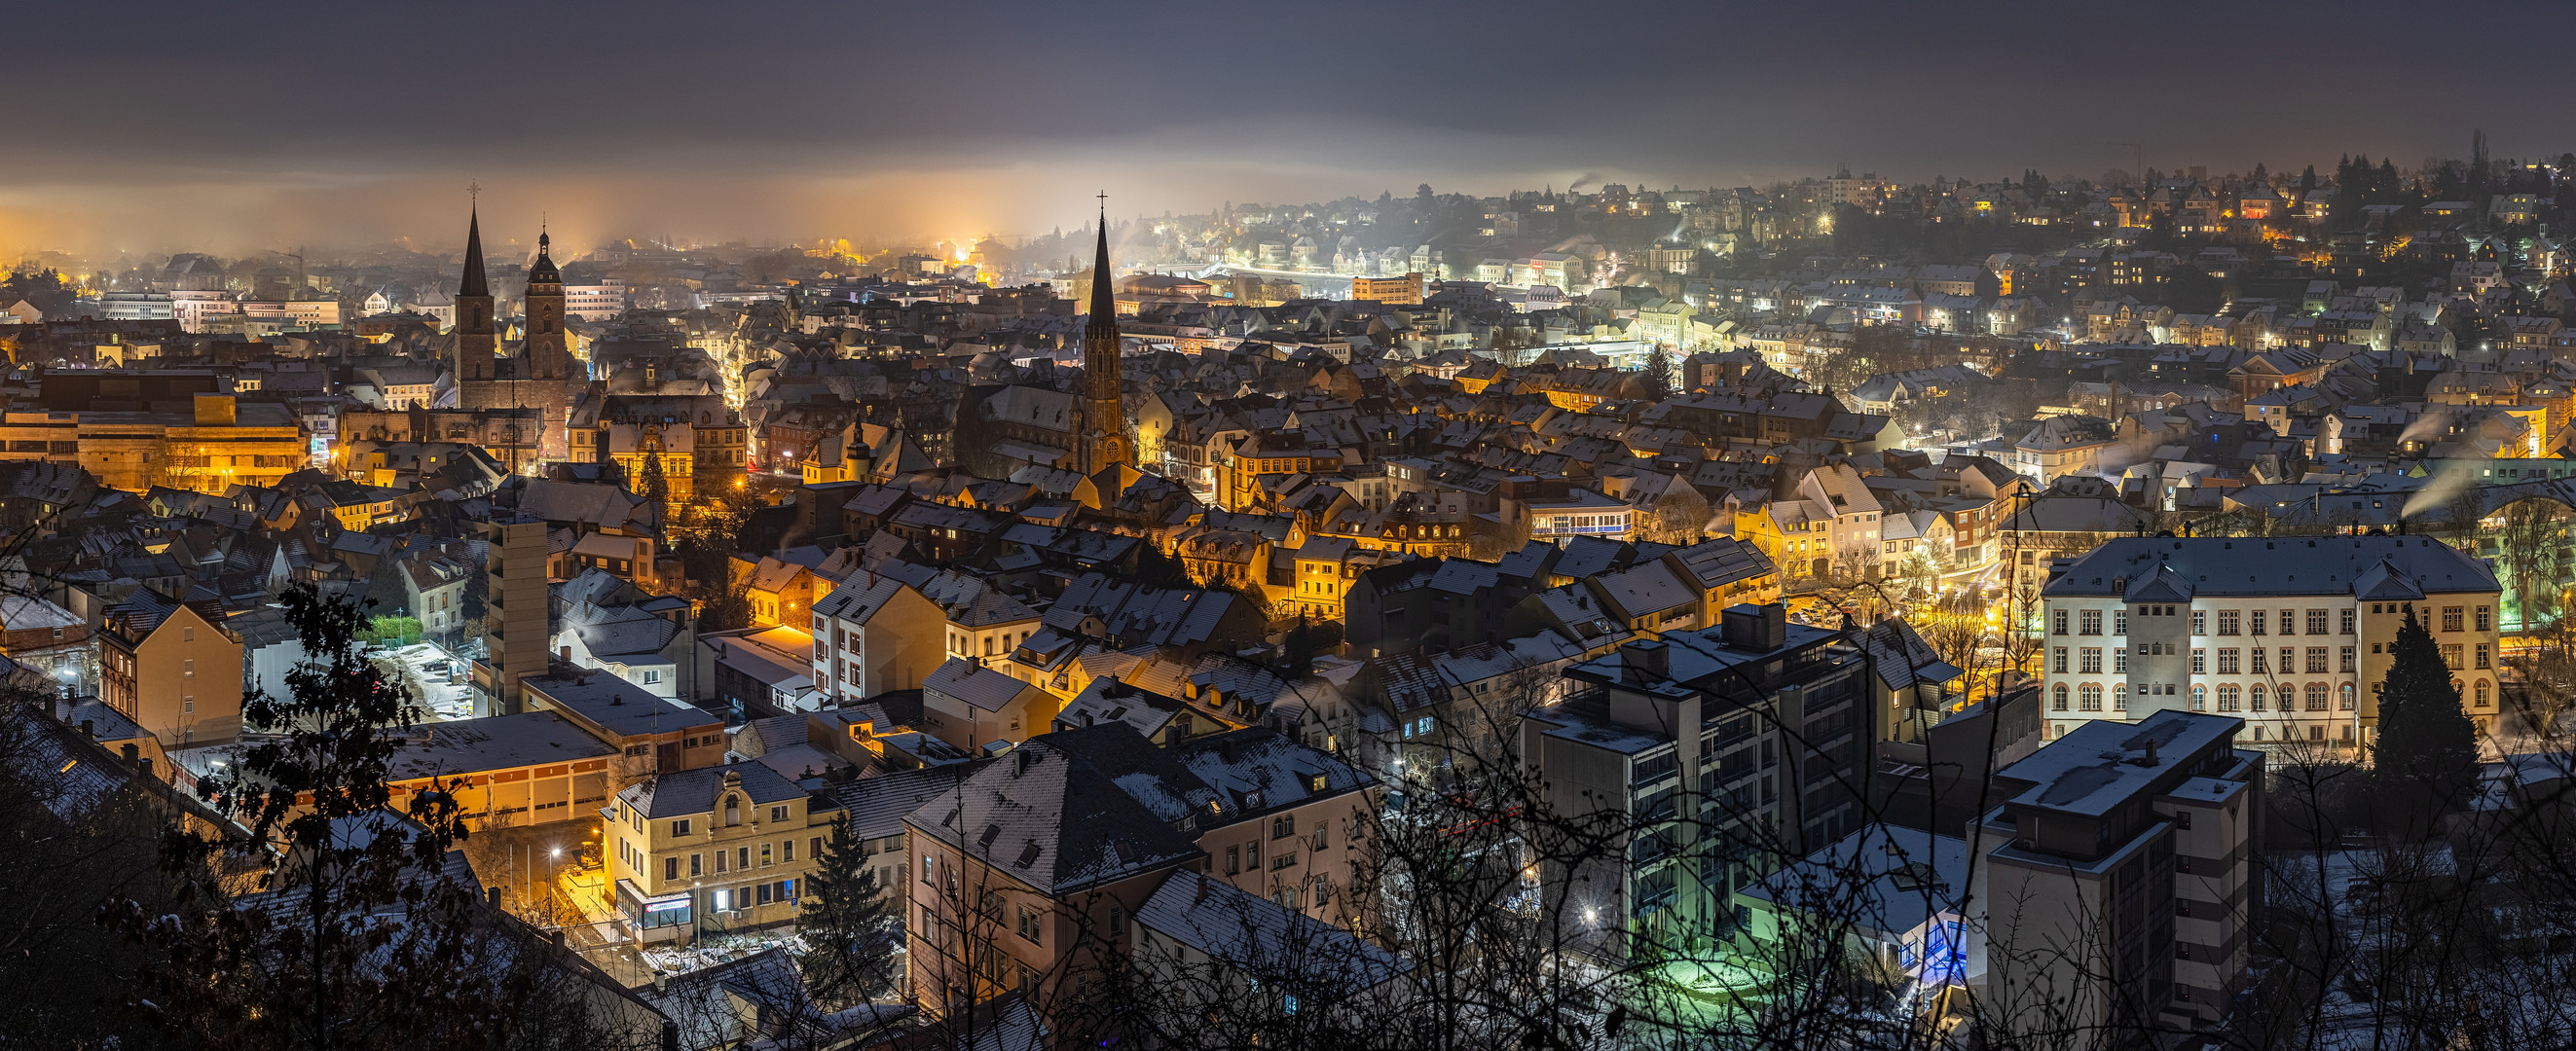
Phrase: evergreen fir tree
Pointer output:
(849, 928)
(649, 482)
(1659, 374)
(2427, 751)
(1297, 656)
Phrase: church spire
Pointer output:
(1104, 437)
(474, 285)
(1104, 305)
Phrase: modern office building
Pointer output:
(1734, 749)
(2119, 878)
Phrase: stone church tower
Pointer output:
(1104, 416)
(541, 378)
(476, 341)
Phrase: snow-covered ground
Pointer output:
(436, 677)
(717, 948)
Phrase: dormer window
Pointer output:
(733, 811)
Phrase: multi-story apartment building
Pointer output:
(1026, 874)
(173, 668)
(216, 444)
(1736, 748)
(717, 848)
(2118, 879)
(873, 634)
(1293, 832)
(2291, 633)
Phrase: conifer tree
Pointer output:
(1660, 374)
(849, 929)
(2427, 751)
(649, 482)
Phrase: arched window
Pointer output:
(2484, 700)
(2345, 704)
(2120, 697)
(2199, 698)
(2057, 700)
(2090, 697)
(2258, 700)
(2316, 697)
(2228, 699)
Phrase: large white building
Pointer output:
(599, 301)
(2290, 633)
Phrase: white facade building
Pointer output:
(2290, 633)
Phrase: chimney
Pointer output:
(1755, 628)
(147, 767)
(492, 896)
(90, 730)
(1649, 660)
(2151, 751)
(129, 750)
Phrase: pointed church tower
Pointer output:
(1104, 417)
(476, 342)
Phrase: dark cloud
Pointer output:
(161, 125)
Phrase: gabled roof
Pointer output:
(974, 684)
(877, 805)
(1258, 771)
(1263, 939)
(686, 793)
(1074, 809)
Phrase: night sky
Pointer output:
(166, 126)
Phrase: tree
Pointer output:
(64, 852)
(2427, 751)
(2533, 546)
(1495, 539)
(392, 631)
(356, 903)
(849, 928)
(1680, 517)
(649, 482)
(1154, 569)
(1297, 651)
(1660, 374)
(2547, 661)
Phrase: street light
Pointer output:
(553, 855)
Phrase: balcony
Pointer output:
(1553, 529)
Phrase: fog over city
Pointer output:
(160, 127)
(1324, 526)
